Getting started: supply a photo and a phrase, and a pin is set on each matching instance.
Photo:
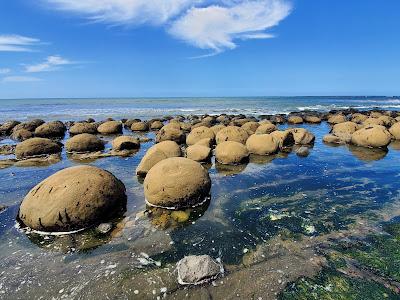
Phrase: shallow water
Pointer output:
(263, 221)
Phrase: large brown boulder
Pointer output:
(21, 134)
(262, 144)
(176, 183)
(373, 136)
(84, 142)
(266, 128)
(7, 127)
(251, 127)
(358, 118)
(198, 153)
(125, 142)
(373, 121)
(231, 152)
(295, 120)
(140, 126)
(345, 130)
(198, 134)
(336, 119)
(312, 119)
(387, 120)
(36, 147)
(232, 133)
(83, 127)
(157, 153)
(171, 132)
(285, 139)
(395, 131)
(51, 129)
(333, 139)
(110, 127)
(29, 125)
(156, 125)
(72, 199)
(217, 128)
(302, 136)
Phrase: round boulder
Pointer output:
(140, 126)
(295, 120)
(110, 127)
(84, 142)
(29, 125)
(7, 127)
(83, 127)
(373, 121)
(336, 119)
(171, 132)
(125, 143)
(262, 144)
(358, 118)
(312, 119)
(251, 127)
(302, 136)
(198, 269)
(373, 136)
(333, 139)
(198, 153)
(36, 147)
(266, 128)
(285, 139)
(198, 134)
(156, 125)
(233, 134)
(345, 130)
(231, 152)
(51, 129)
(395, 131)
(176, 183)
(21, 135)
(72, 199)
(217, 128)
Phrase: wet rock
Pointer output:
(176, 183)
(104, 228)
(36, 147)
(395, 131)
(387, 120)
(21, 135)
(186, 127)
(302, 136)
(373, 121)
(295, 120)
(7, 149)
(73, 198)
(84, 142)
(83, 127)
(250, 127)
(303, 151)
(128, 123)
(266, 128)
(198, 153)
(262, 144)
(232, 134)
(51, 129)
(30, 125)
(156, 154)
(217, 128)
(231, 152)
(125, 143)
(140, 126)
(110, 127)
(156, 125)
(7, 127)
(171, 132)
(198, 134)
(358, 118)
(285, 139)
(333, 139)
(336, 119)
(374, 136)
(345, 130)
(278, 119)
(312, 119)
(198, 269)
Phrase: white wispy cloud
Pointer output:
(17, 43)
(50, 64)
(215, 25)
(5, 70)
(20, 79)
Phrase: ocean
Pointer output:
(146, 108)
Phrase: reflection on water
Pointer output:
(276, 202)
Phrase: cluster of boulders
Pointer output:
(371, 130)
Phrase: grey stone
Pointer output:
(303, 151)
(198, 269)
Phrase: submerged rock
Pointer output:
(71, 199)
(176, 182)
(231, 152)
(198, 269)
(84, 142)
(36, 147)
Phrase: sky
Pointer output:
(191, 48)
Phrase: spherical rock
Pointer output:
(231, 152)
(302, 136)
(140, 126)
(198, 153)
(110, 127)
(336, 119)
(84, 142)
(156, 125)
(395, 131)
(373, 136)
(217, 128)
(198, 134)
(83, 127)
(171, 132)
(262, 144)
(51, 129)
(373, 121)
(157, 153)
(345, 130)
(36, 147)
(29, 125)
(233, 134)
(358, 118)
(251, 127)
(312, 119)
(266, 128)
(295, 120)
(176, 182)
(71, 199)
(125, 143)
(387, 120)
(206, 142)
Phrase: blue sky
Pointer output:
(162, 48)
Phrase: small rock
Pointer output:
(303, 151)
(198, 269)
(104, 228)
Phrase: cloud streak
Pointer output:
(50, 64)
(216, 25)
(10, 79)
(17, 43)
